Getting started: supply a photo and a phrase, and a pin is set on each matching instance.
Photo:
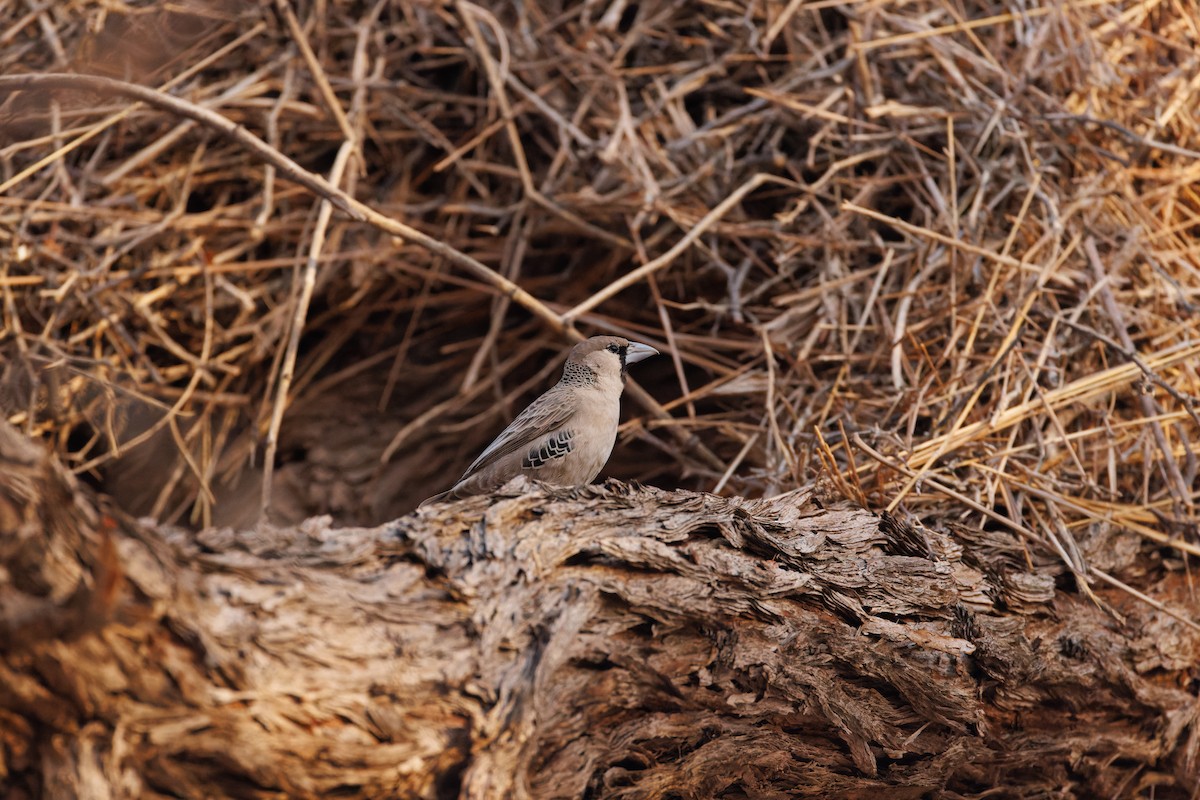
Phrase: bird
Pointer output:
(564, 437)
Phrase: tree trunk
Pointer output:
(603, 642)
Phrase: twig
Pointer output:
(1149, 408)
(1145, 141)
(346, 153)
(289, 170)
(318, 72)
(709, 219)
(1013, 525)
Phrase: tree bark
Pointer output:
(608, 641)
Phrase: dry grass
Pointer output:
(944, 255)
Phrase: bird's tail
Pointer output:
(437, 498)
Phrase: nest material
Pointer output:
(941, 255)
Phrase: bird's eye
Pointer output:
(612, 348)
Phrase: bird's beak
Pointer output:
(636, 352)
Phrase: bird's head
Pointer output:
(602, 357)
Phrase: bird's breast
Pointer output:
(596, 433)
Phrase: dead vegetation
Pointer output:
(940, 257)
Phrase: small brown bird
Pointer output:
(565, 436)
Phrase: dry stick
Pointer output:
(288, 368)
(709, 219)
(852, 465)
(1015, 526)
(899, 468)
(1055, 420)
(317, 72)
(289, 170)
(324, 213)
(1080, 506)
(48, 31)
(1002, 352)
(1079, 390)
(535, 99)
(1149, 407)
(969, 346)
(780, 23)
(469, 12)
(1145, 141)
(669, 331)
(200, 368)
(958, 27)
(1187, 402)
(1145, 598)
(872, 297)
(107, 123)
(401, 352)
(737, 460)
(926, 233)
(268, 196)
(707, 389)
(690, 441)
(784, 450)
(153, 153)
(1067, 548)
(900, 326)
(521, 225)
(829, 461)
(515, 247)
(204, 497)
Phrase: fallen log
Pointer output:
(610, 641)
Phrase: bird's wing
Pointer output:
(541, 417)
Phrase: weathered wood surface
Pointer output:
(605, 642)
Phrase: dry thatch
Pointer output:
(940, 256)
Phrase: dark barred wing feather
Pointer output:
(556, 446)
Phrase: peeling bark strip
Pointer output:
(603, 642)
